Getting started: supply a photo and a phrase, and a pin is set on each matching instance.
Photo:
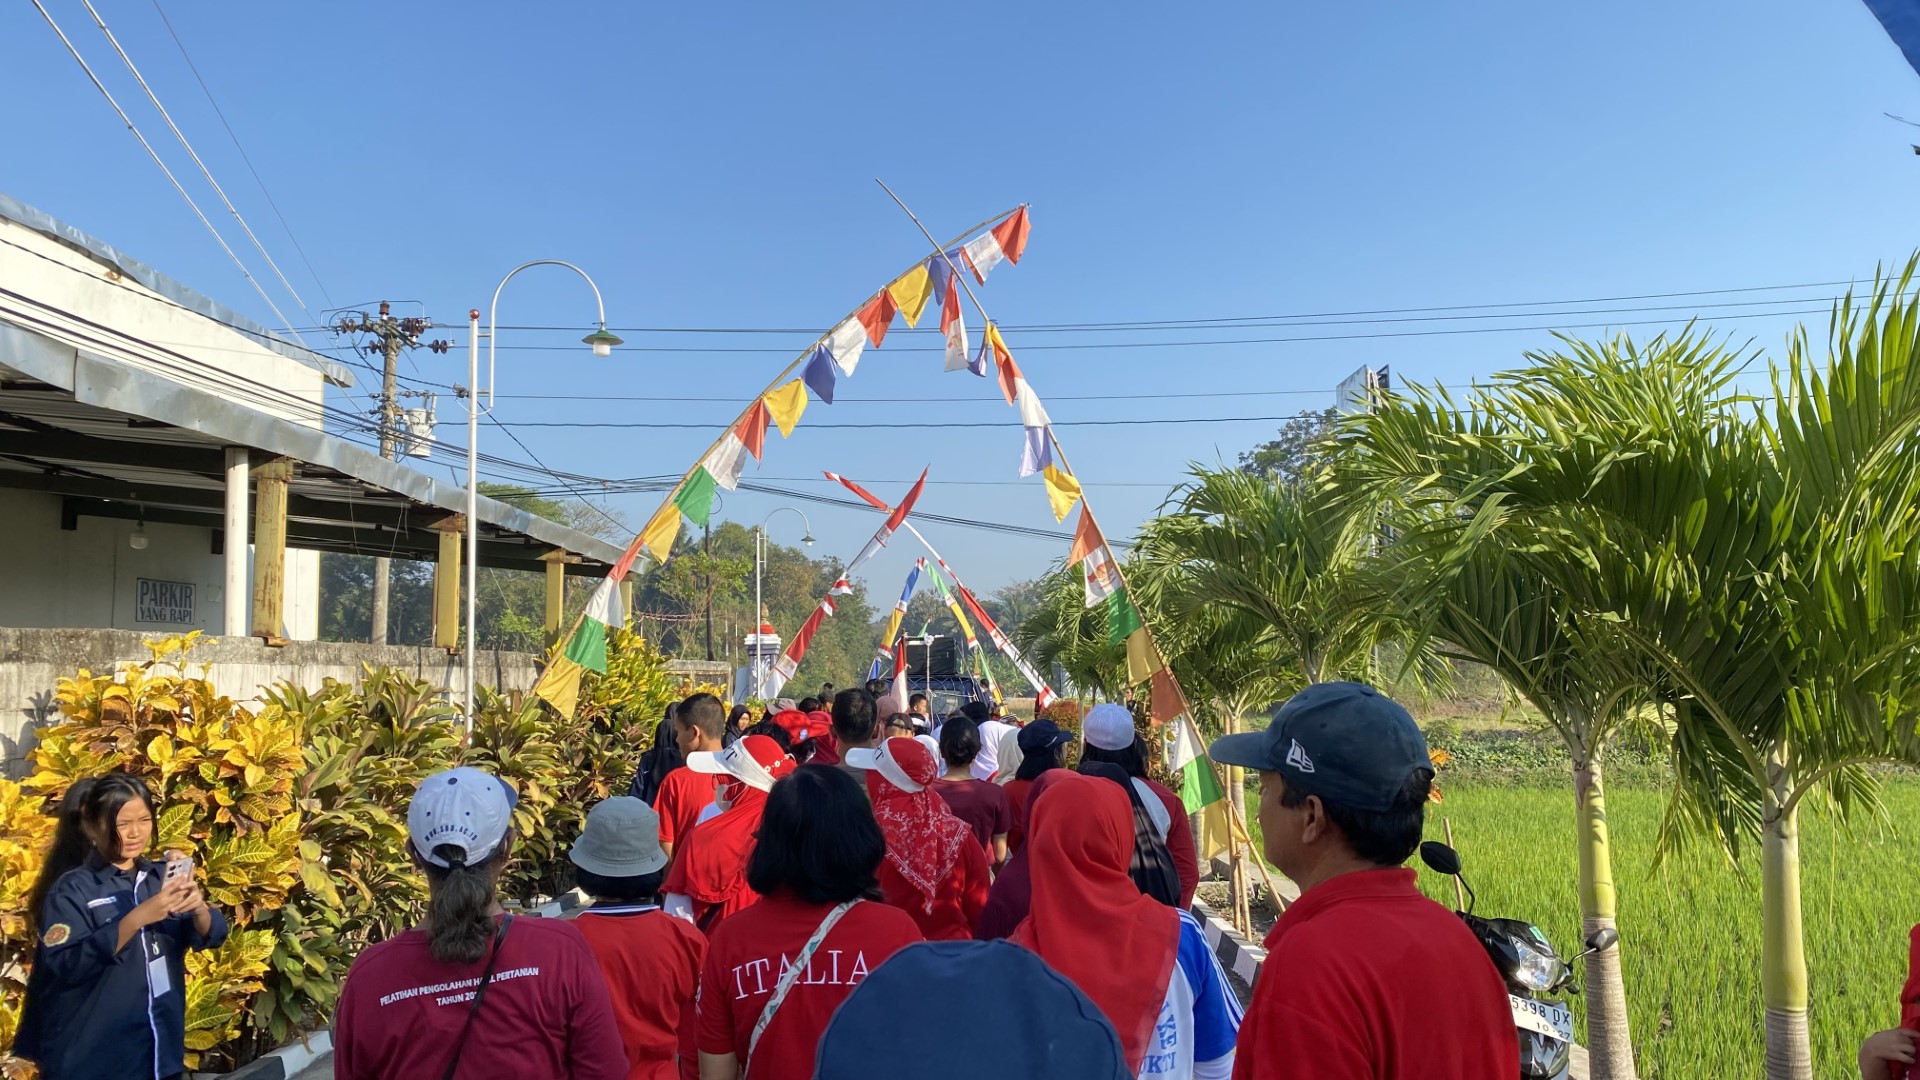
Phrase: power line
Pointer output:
(1239, 320)
(1209, 342)
(127, 120)
(217, 111)
(204, 171)
(652, 425)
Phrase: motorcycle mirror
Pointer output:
(1603, 939)
(1440, 858)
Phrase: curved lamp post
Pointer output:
(602, 343)
(759, 560)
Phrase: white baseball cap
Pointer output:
(1108, 727)
(467, 808)
(882, 760)
(756, 761)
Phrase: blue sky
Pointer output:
(713, 165)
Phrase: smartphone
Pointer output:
(178, 868)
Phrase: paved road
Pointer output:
(321, 1069)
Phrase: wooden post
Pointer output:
(270, 547)
(1237, 892)
(446, 584)
(556, 561)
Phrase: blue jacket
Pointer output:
(93, 1013)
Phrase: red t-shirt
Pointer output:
(547, 1012)
(744, 964)
(683, 794)
(983, 805)
(1017, 794)
(957, 904)
(1366, 979)
(1186, 859)
(652, 964)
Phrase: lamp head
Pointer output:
(807, 539)
(602, 342)
(137, 539)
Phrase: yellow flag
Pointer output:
(662, 531)
(1142, 658)
(1062, 491)
(910, 292)
(786, 403)
(559, 685)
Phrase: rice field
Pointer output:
(1690, 930)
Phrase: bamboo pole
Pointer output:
(1236, 815)
(674, 492)
(1459, 896)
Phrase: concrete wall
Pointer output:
(32, 662)
(90, 577)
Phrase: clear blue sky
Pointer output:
(713, 165)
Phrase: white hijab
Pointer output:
(1010, 756)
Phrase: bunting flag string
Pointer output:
(834, 355)
(789, 661)
(1043, 694)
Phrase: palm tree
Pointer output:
(1062, 630)
(1757, 564)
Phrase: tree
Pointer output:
(1620, 513)
(1303, 440)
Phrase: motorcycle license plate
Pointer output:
(1544, 1017)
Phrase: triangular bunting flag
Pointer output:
(786, 403)
(1012, 235)
(1032, 413)
(877, 316)
(1103, 580)
(910, 292)
(940, 270)
(954, 327)
(1086, 539)
(1010, 378)
(983, 254)
(1063, 490)
(819, 374)
(661, 532)
(696, 496)
(1122, 620)
(1036, 450)
(846, 342)
(752, 428)
(1168, 702)
(1142, 658)
(725, 461)
(1001, 356)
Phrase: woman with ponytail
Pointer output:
(472, 991)
(106, 996)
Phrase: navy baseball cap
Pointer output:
(1345, 742)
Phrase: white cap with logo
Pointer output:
(466, 808)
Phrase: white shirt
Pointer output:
(987, 762)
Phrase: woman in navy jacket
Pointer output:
(106, 995)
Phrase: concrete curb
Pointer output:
(1236, 954)
(286, 1062)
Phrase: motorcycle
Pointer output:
(1533, 972)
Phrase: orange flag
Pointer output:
(877, 316)
(1086, 539)
(752, 429)
(1012, 234)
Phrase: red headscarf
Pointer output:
(1910, 998)
(1088, 920)
(923, 835)
(1012, 894)
(710, 865)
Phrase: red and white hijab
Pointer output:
(924, 837)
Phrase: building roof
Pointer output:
(20, 213)
(115, 439)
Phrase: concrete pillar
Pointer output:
(270, 546)
(235, 594)
(556, 561)
(446, 585)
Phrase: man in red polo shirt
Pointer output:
(1365, 978)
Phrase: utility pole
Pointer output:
(389, 336)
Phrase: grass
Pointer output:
(1690, 929)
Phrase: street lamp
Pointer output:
(602, 342)
(759, 560)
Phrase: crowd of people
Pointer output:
(851, 891)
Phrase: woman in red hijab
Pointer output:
(708, 881)
(1146, 965)
(935, 870)
(1012, 894)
